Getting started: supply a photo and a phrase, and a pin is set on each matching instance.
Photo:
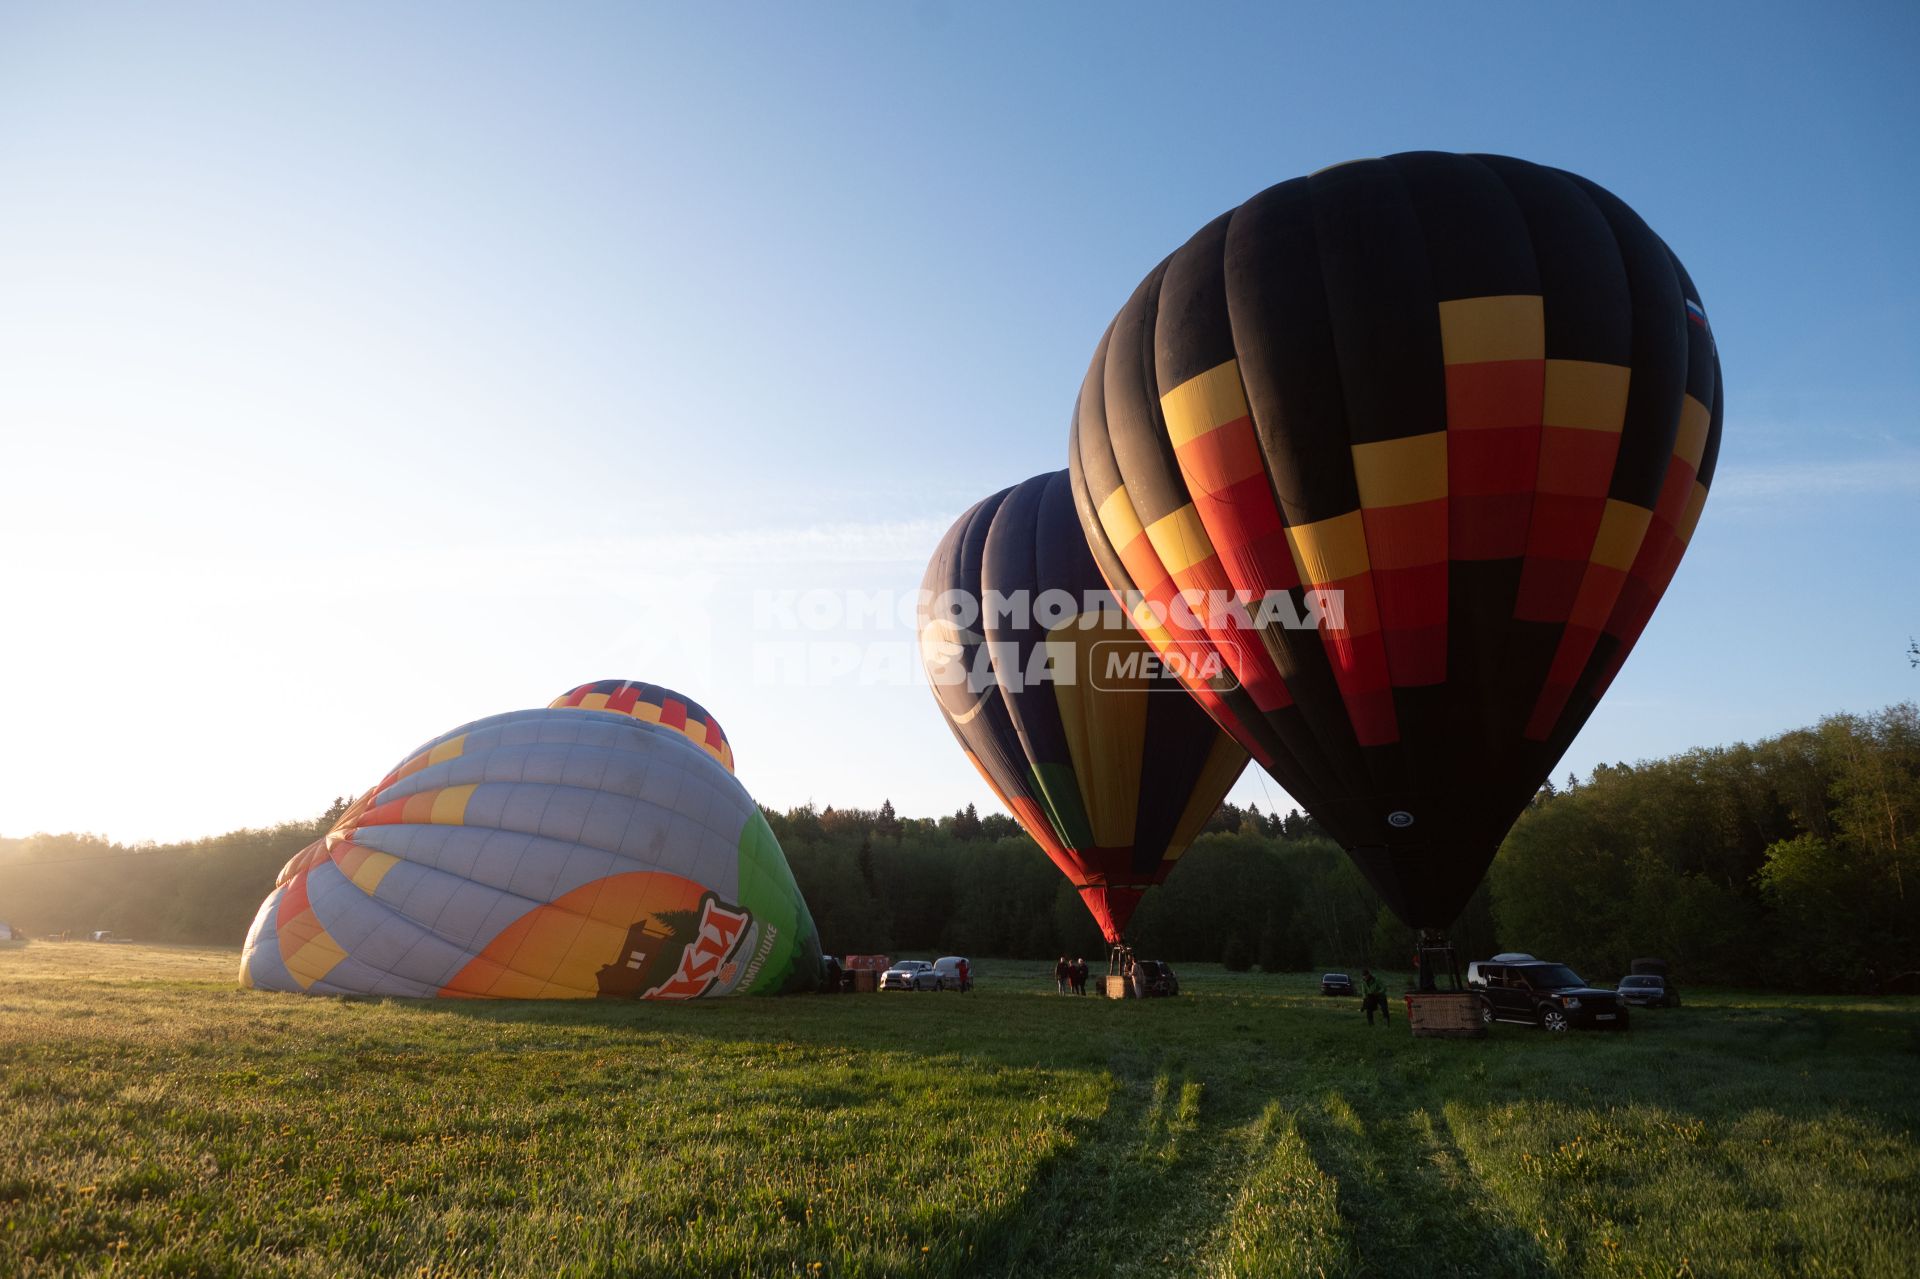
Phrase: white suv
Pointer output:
(1474, 977)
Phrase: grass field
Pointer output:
(156, 1120)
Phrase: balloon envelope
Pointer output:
(542, 854)
(1468, 408)
(653, 704)
(1112, 770)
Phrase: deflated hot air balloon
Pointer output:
(1110, 766)
(655, 705)
(542, 854)
(1458, 415)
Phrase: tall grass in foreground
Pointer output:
(154, 1120)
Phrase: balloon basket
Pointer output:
(1445, 1014)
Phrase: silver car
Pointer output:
(910, 974)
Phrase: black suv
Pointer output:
(1156, 976)
(1542, 994)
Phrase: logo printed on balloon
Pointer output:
(1400, 819)
(706, 960)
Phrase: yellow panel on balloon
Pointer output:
(1104, 713)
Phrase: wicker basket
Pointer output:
(1118, 987)
(1445, 1014)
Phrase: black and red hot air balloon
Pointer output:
(1474, 399)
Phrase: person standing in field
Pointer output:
(1063, 975)
(1079, 976)
(1373, 994)
(966, 977)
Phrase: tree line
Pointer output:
(1789, 862)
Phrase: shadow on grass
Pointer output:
(1410, 1200)
(1134, 1189)
(1137, 1191)
(1149, 1181)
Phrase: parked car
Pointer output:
(1156, 977)
(1336, 984)
(947, 973)
(1649, 991)
(910, 974)
(1543, 994)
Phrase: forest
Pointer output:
(1782, 863)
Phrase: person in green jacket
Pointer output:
(1373, 995)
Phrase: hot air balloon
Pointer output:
(542, 854)
(655, 705)
(1458, 415)
(1108, 765)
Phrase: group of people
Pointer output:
(1071, 976)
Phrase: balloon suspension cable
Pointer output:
(1273, 807)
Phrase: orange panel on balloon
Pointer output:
(562, 947)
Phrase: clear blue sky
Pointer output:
(365, 371)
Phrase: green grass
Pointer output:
(156, 1121)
